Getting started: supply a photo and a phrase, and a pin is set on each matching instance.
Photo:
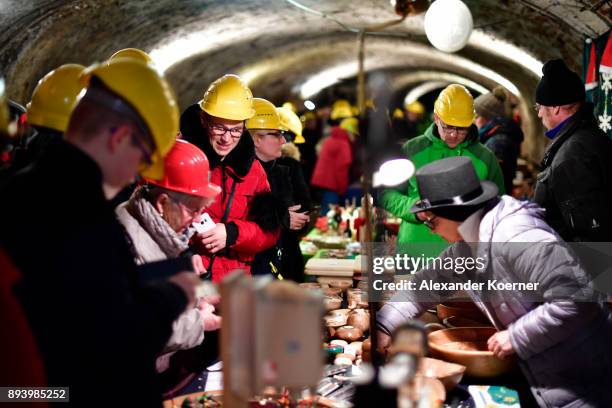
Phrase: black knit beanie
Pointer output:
(559, 85)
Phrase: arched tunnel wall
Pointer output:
(277, 47)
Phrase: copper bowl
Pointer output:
(342, 284)
(332, 302)
(349, 333)
(468, 346)
(449, 374)
(335, 320)
(460, 308)
(332, 291)
(456, 321)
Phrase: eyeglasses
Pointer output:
(137, 141)
(289, 136)
(275, 133)
(146, 154)
(459, 130)
(218, 129)
(193, 212)
(429, 222)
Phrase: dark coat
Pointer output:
(288, 188)
(504, 137)
(575, 185)
(97, 327)
(251, 226)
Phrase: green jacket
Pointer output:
(415, 238)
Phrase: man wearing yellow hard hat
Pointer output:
(269, 128)
(244, 227)
(97, 325)
(49, 111)
(453, 133)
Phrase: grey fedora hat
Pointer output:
(451, 182)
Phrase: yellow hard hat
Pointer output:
(308, 116)
(415, 107)
(350, 125)
(341, 109)
(228, 98)
(289, 121)
(150, 95)
(266, 116)
(398, 114)
(291, 106)
(54, 97)
(4, 112)
(455, 106)
(132, 53)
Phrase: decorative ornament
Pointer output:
(604, 122)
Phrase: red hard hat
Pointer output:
(186, 170)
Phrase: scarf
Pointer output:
(149, 218)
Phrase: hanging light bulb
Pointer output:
(404, 8)
(448, 25)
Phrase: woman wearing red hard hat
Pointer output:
(156, 218)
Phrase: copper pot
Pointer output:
(332, 302)
(468, 346)
(349, 333)
(356, 298)
(335, 320)
(359, 318)
(461, 308)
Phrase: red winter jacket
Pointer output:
(251, 225)
(332, 169)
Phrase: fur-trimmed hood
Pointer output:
(238, 161)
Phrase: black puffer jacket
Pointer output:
(96, 326)
(289, 188)
(504, 137)
(575, 186)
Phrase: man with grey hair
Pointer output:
(575, 185)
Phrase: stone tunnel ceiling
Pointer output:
(277, 47)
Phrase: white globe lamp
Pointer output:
(448, 25)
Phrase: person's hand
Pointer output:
(500, 344)
(214, 240)
(211, 320)
(187, 281)
(198, 265)
(297, 220)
